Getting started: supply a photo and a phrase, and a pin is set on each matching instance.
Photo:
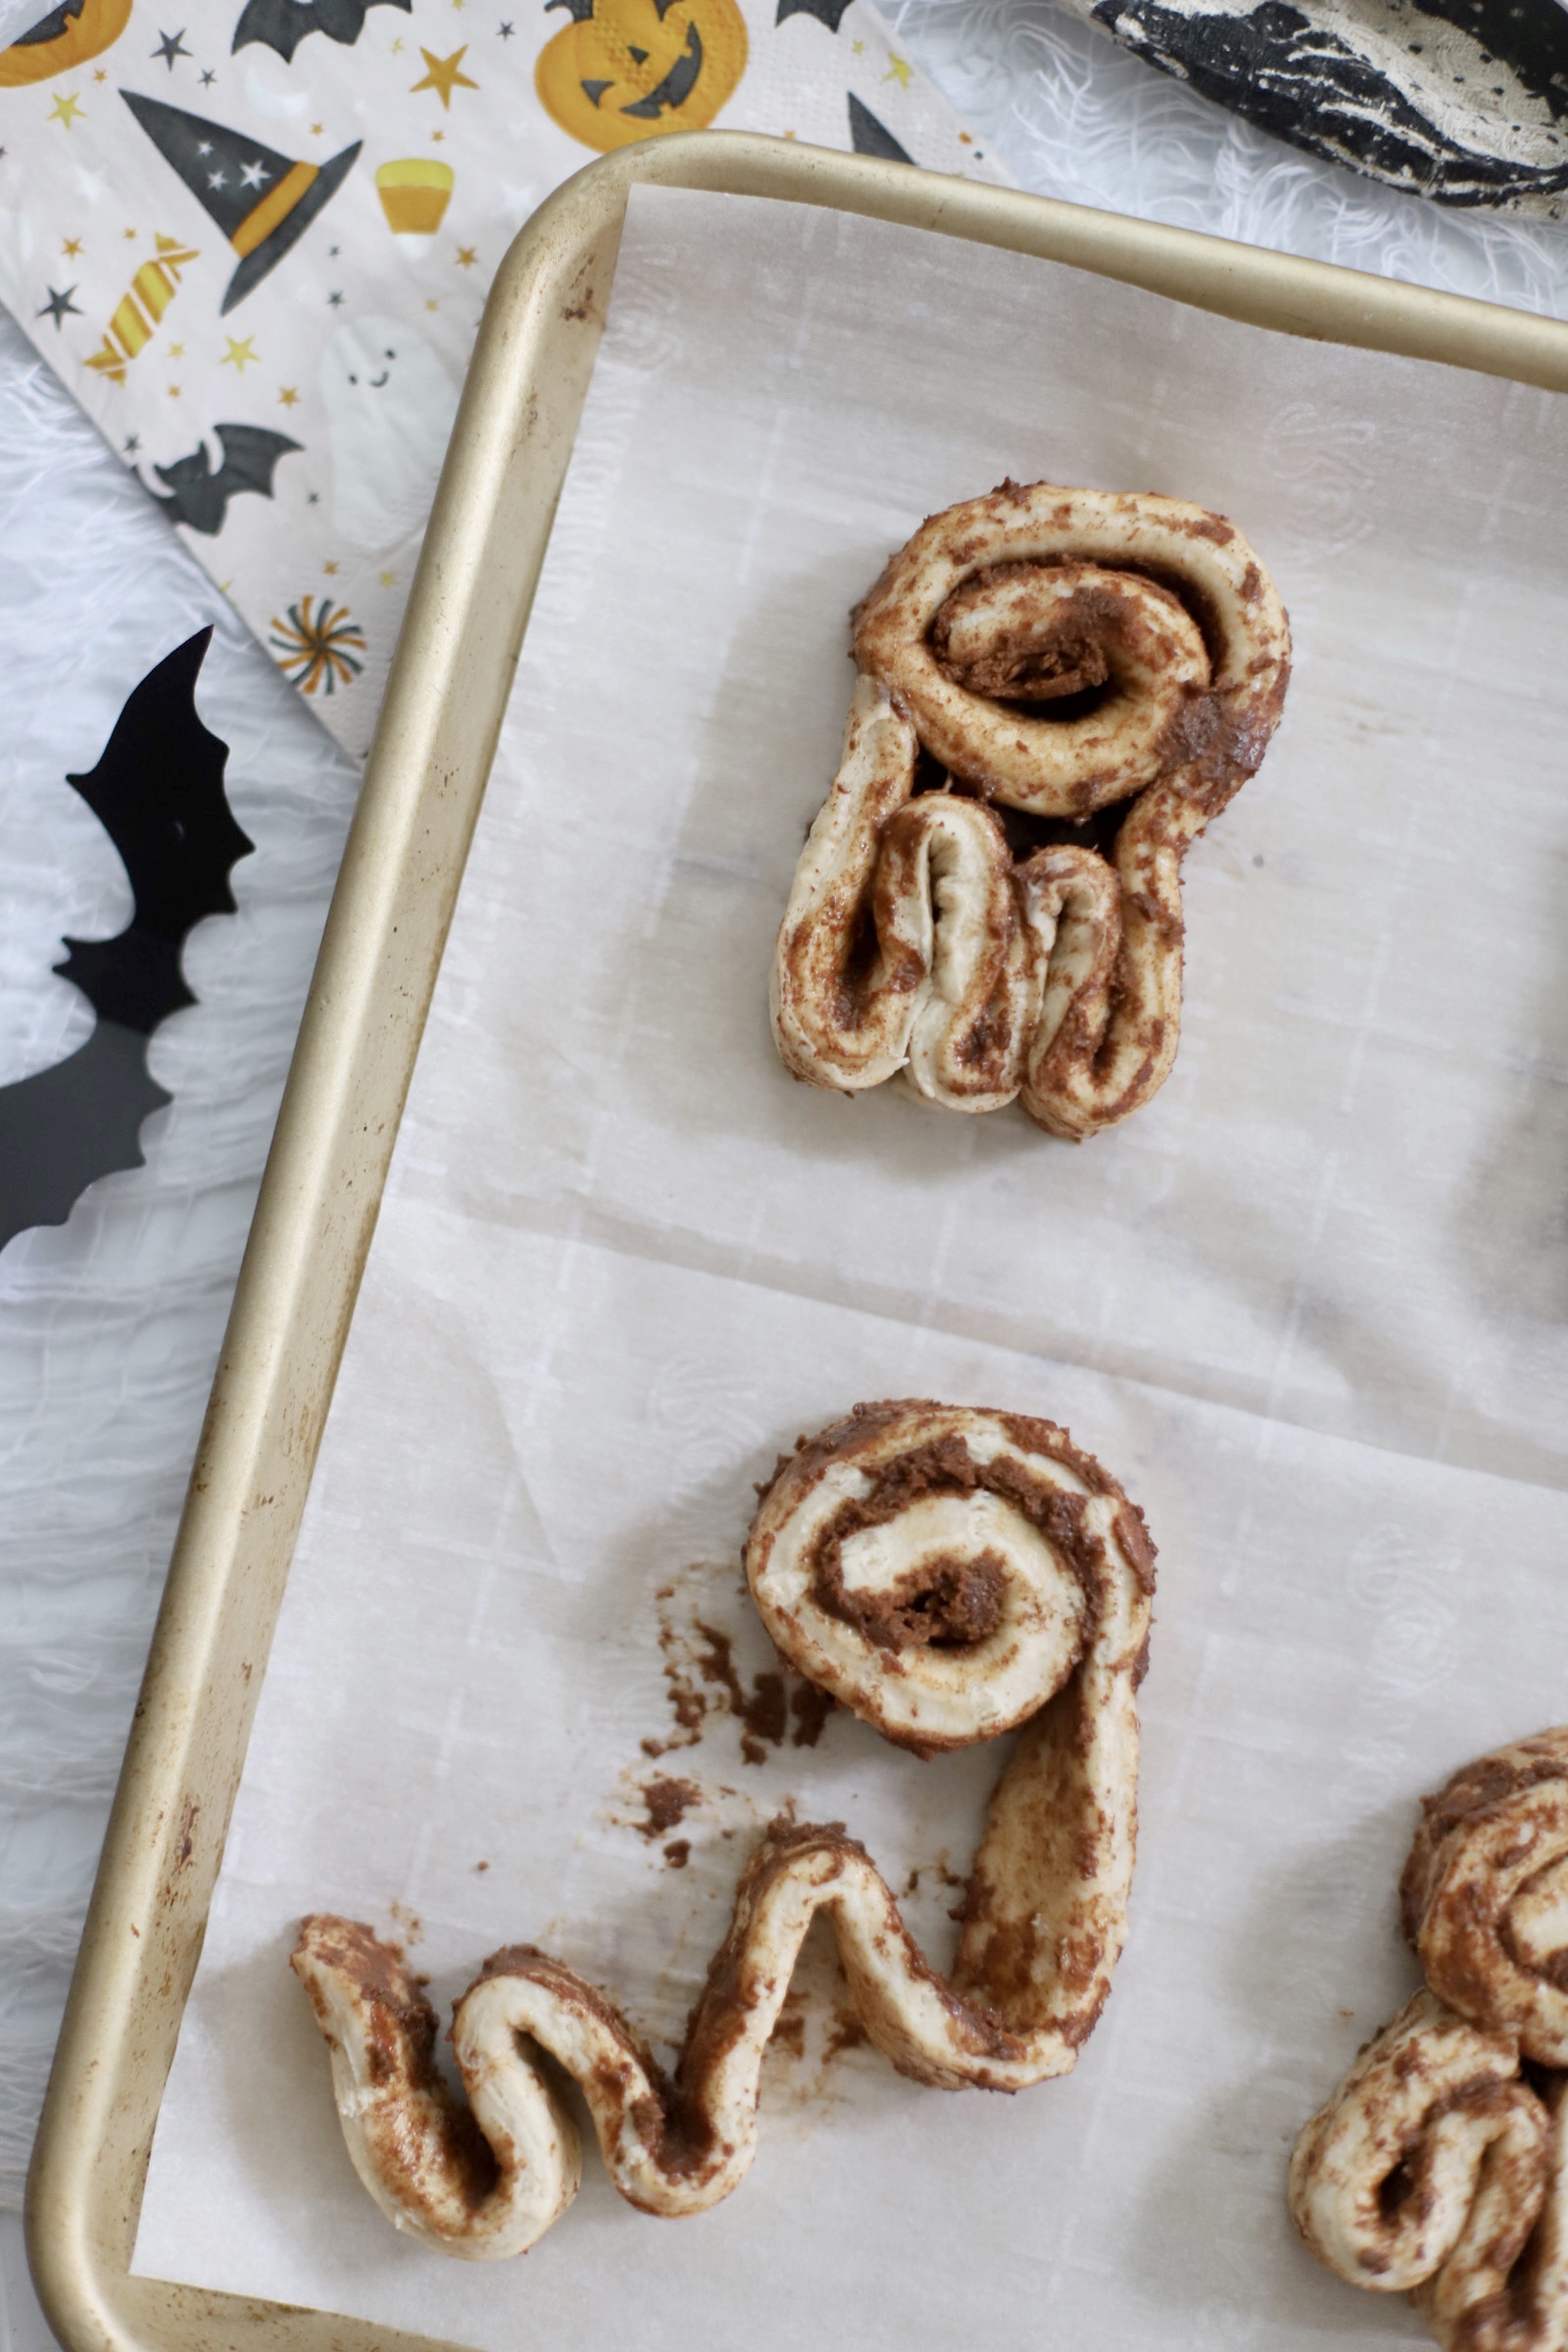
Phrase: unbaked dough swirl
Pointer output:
(949, 1574)
(915, 943)
(1441, 2164)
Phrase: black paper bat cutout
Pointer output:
(200, 497)
(158, 792)
(282, 24)
(830, 12)
(868, 136)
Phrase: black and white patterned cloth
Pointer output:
(1462, 100)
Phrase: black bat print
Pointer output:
(282, 24)
(829, 12)
(199, 498)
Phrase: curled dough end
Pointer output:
(949, 1574)
(1435, 2169)
(1485, 1893)
(479, 2182)
(1057, 651)
(1160, 602)
(1384, 2178)
(1441, 2164)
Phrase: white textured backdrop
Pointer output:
(108, 1326)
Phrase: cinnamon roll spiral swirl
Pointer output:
(1055, 652)
(948, 1575)
(1441, 2165)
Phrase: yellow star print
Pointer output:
(238, 355)
(66, 109)
(71, 245)
(329, 568)
(899, 69)
(177, 350)
(444, 74)
(288, 398)
(387, 579)
(467, 256)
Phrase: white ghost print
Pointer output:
(389, 407)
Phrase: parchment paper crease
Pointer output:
(1308, 1306)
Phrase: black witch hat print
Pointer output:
(262, 201)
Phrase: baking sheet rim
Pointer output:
(358, 1037)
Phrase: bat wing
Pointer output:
(63, 1127)
(158, 792)
(280, 25)
(194, 498)
(250, 453)
(49, 28)
(830, 12)
(343, 20)
(871, 137)
(283, 23)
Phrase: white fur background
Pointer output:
(110, 1325)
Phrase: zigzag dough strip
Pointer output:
(947, 1574)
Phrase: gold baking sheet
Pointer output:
(356, 1053)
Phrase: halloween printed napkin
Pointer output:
(254, 237)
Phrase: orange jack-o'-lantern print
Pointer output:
(68, 37)
(625, 70)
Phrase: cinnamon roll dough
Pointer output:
(1055, 652)
(949, 1574)
(1439, 2166)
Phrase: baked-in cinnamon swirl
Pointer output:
(1054, 652)
(948, 1575)
(1441, 2164)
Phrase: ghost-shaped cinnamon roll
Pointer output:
(1055, 654)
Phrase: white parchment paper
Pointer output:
(1307, 1305)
